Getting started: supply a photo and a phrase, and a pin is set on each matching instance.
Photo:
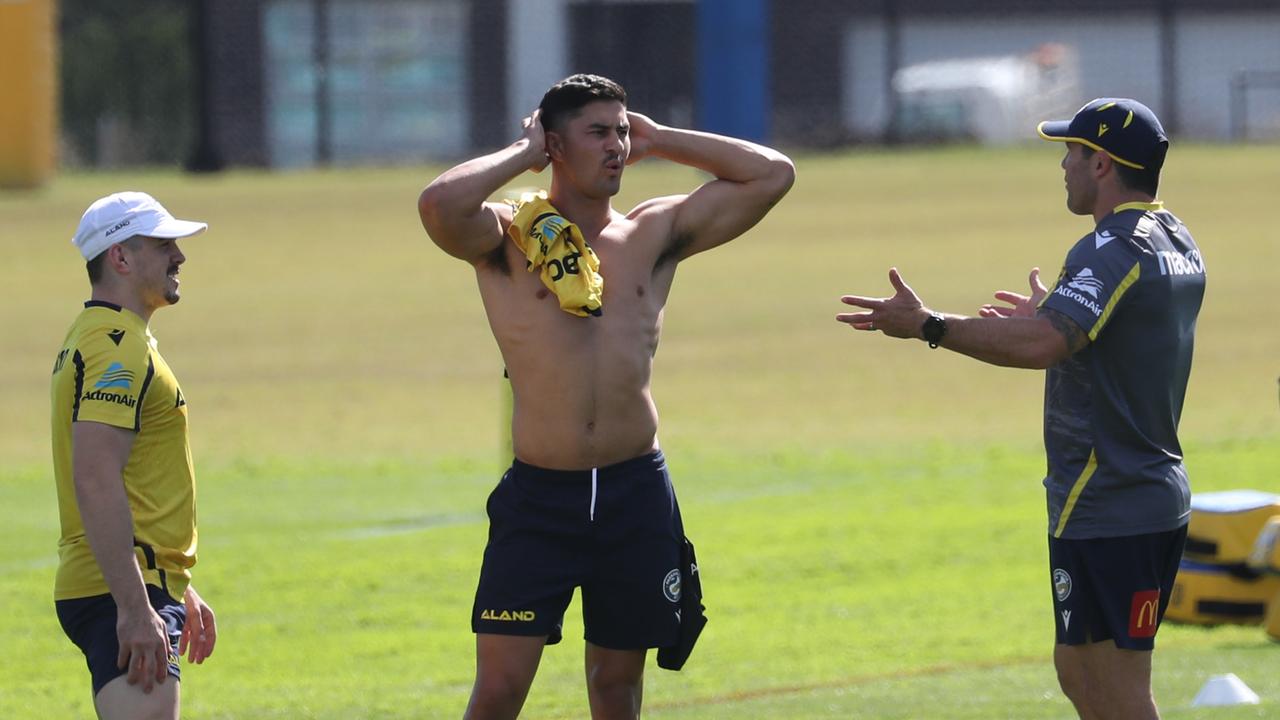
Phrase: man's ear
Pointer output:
(117, 259)
(1102, 164)
(554, 144)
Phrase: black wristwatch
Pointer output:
(934, 329)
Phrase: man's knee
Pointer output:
(500, 688)
(611, 681)
(615, 695)
(1074, 684)
(615, 682)
(1073, 675)
(505, 666)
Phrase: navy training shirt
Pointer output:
(1111, 411)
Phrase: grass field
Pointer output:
(868, 513)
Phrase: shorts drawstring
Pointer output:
(593, 493)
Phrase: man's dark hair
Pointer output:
(563, 101)
(1146, 181)
(95, 266)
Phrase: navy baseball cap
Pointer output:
(1125, 129)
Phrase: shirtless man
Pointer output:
(587, 502)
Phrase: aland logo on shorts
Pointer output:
(1061, 584)
(671, 585)
(509, 615)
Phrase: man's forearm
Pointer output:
(1009, 342)
(725, 157)
(108, 526)
(464, 188)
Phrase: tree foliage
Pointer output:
(126, 90)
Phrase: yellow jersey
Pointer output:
(109, 371)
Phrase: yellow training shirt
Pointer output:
(109, 371)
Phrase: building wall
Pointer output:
(1120, 52)
(236, 82)
(1212, 48)
(831, 62)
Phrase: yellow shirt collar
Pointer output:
(1151, 206)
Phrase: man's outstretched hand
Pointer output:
(899, 316)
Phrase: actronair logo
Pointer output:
(1067, 292)
(116, 376)
(1173, 263)
(1084, 281)
(1083, 289)
(117, 398)
(508, 615)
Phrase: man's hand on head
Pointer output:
(536, 137)
(644, 133)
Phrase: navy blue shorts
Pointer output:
(1113, 588)
(614, 531)
(90, 622)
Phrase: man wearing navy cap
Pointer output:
(1115, 334)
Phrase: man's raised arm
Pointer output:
(453, 208)
(750, 180)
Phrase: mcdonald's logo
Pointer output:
(1143, 613)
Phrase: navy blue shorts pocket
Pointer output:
(1113, 588)
(90, 623)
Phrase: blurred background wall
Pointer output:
(300, 83)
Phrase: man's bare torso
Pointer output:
(581, 385)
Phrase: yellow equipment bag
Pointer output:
(28, 74)
(1265, 557)
(1225, 525)
(1273, 618)
(1210, 595)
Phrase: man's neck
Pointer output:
(1108, 201)
(591, 215)
(125, 300)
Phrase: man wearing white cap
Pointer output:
(122, 464)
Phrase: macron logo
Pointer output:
(1172, 263)
(1102, 238)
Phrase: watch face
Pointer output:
(934, 328)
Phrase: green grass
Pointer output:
(868, 513)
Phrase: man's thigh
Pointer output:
(506, 666)
(1118, 681)
(632, 599)
(90, 623)
(538, 551)
(1113, 588)
(118, 700)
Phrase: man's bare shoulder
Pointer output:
(505, 211)
(656, 206)
(497, 259)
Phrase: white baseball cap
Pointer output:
(120, 216)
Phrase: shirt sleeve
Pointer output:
(112, 382)
(1093, 284)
